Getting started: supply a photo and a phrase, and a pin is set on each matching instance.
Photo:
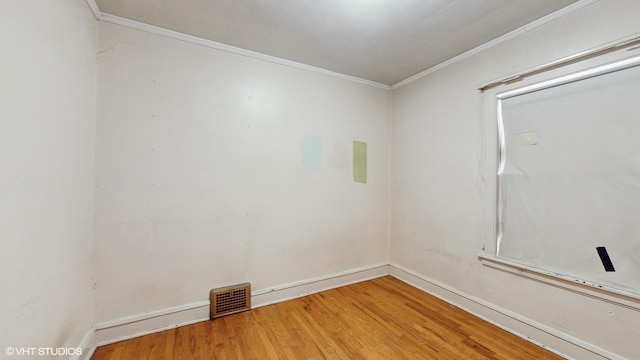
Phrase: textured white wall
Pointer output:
(201, 181)
(47, 123)
(437, 190)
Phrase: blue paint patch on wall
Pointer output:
(311, 148)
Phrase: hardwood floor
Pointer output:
(382, 318)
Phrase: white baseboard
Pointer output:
(87, 345)
(144, 324)
(542, 335)
(310, 286)
(139, 325)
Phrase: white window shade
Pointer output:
(569, 177)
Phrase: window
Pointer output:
(563, 198)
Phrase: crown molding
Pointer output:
(228, 48)
(508, 36)
(100, 16)
(95, 9)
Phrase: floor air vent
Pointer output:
(230, 299)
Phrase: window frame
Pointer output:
(613, 57)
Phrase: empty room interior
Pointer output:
(375, 163)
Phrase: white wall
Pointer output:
(201, 181)
(437, 190)
(200, 175)
(47, 123)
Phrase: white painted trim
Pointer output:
(537, 333)
(87, 345)
(601, 292)
(150, 315)
(583, 55)
(94, 9)
(146, 327)
(101, 16)
(508, 36)
(143, 324)
(565, 79)
(306, 287)
(232, 49)
(129, 327)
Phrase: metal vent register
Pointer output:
(230, 300)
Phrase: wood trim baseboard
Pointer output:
(143, 324)
(558, 342)
(88, 345)
(305, 287)
(540, 334)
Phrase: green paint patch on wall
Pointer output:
(311, 148)
(360, 162)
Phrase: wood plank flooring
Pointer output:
(382, 318)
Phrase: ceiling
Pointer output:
(384, 41)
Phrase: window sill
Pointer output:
(609, 294)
